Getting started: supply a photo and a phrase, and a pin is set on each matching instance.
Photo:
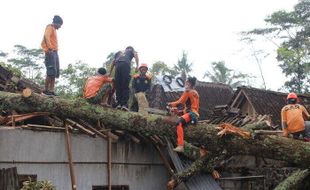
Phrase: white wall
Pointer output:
(44, 154)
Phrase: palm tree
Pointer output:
(183, 66)
(162, 68)
(222, 74)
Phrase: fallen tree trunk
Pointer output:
(274, 147)
(204, 162)
(294, 181)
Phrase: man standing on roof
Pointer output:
(293, 118)
(140, 84)
(189, 98)
(98, 88)
(122, 63)
(50, 46)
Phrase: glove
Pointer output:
(216, 174)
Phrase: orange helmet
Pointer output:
(291, 95)
(143, 65)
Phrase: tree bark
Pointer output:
(274, 147)
(196, 167)
(294, 181)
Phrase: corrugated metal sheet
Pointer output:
(197, 182)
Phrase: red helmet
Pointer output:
(291, 95)
(143, 65)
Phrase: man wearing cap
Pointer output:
(141, 83)
(50, 46)
(293, 117)
(98, 88)
(122, 63)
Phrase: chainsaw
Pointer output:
(169, 111)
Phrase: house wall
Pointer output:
(44, 154)
(247, 109)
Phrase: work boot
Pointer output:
(179, 149)
(53, 93)
(46, 92)
(124, 108)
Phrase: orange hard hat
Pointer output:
(291, 95)
(143, 65)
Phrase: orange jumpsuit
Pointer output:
(293, 118)
(93, 85)
(190, 99)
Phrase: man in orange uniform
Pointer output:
(141, 83)
(50, 46)
(189, 98)
(293, 118)
(98, 88)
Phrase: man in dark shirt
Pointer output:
(122, 64)
(140, 84)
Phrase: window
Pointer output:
(114, 187)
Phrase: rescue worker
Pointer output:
(189, 98)
(141, 83)
(122, 63)
(293, 118)
(50, 46)
(98, 88)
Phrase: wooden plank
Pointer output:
(22, 117)
(134, 139)
(158, 139)
(80, 127)
(163, 158)
(109, 161)
(268, 132)
(103, 134)
(120, 132)
(45, 127)
(69, 153)
(241, 177)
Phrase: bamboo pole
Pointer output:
(109, 160)
(164, 159)
(71, 166)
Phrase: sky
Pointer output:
(159, 30)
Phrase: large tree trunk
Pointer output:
(294, 181)
(274, 147)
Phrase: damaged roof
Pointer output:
(264, 102)
(211, 94)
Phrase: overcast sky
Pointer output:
(158, 29)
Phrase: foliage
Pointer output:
(258, 55)
(73, 78)
(29, 62)
(14, 70)
(108, 63)
(3, 54)
(37, 185)
(161, 68)
(292, 29)
(221, 74)
(183, 66)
